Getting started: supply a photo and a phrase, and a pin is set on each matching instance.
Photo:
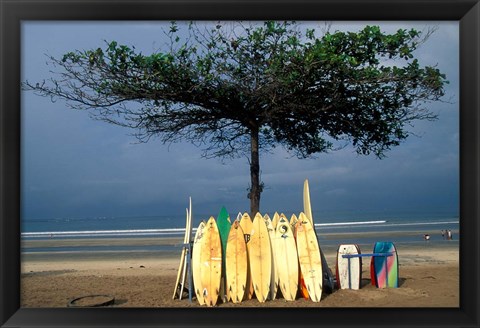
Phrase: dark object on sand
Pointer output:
(92, 301)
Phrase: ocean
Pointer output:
(332, 229)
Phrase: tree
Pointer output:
(238, 89)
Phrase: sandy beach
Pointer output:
(429, 277)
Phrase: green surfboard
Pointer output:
(223, 224)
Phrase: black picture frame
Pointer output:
(13, 12)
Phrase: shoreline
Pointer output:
(328, 238)
(429, 277)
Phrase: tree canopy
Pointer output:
(236, 89)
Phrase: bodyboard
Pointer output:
(385, 266)
(348, 277)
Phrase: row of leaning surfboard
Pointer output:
(260, 258)
(270, 258)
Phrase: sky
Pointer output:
(73, 166)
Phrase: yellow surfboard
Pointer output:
(293, 222)
(274, 282)
(301, 283)
(309, 258)
(196, 267)
(275, 219)
(286, 259)
(247, 225)
(260, 257)
(211, 262)
(236, 263)
(307, 207)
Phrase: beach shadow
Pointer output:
(46, 273)
(120, 302)
(365, 282)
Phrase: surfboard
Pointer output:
(293, 222)
(223, 223)
(274, 282)
(188, 255)
(275, 219)
(309, 258)
(384, 266)
(348, 272)
(260, 257)
(286, 259)
(182, 267)
(211, 262)
(196, 264)
(185, 265)
(236, 263)
(307, 209)
(302, 288)
(247, 225)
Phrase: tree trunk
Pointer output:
(255, 189)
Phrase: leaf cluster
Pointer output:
(217, 84)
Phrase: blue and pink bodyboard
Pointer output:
(384, 269)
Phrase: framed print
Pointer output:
(139, 137)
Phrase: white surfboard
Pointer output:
(196, 264)
(275, 280)
(286, 258)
